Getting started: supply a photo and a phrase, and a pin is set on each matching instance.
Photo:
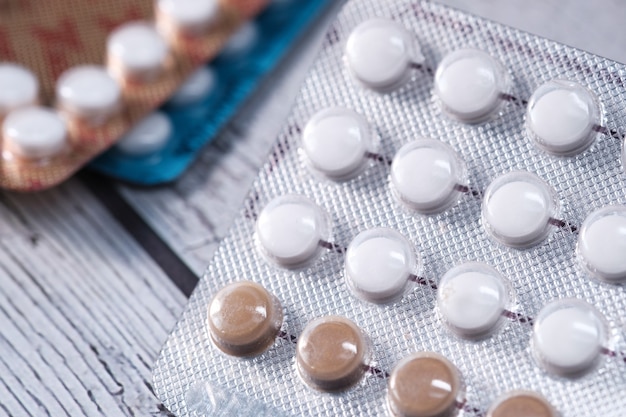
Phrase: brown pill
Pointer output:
(424, 384)
(244, 319)
(522, 404)
(331, 353)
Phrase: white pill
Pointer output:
(192, 17)
(568, 336)
(471, 298)
(561, 116)
(517, 208)
(88, 92)
(34, 132)
(335, 142)
(602, 244)
(195, 88)
(378, 265)
(242, 40)
(149, 135)
(379, 54)
(468, 83)
(289, 230)
(19, 87)
(136, 51)
(425, 175)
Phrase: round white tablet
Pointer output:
(34, 132)
(602, 244)
(335, 142)
(517, 208)
(19, 87)
(149, 135)
(242, 40)
(471, 298)
(425, 174)
(136, 51)
(192, 17)
(289, 230)
(379, 53)
(196, 87)
(378, 265)
(568, 336)
(468, 83)
(561, 116)
(88, 92)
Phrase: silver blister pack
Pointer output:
(193, 378)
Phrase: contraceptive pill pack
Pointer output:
(440, 230)
(74, 78)
(162, 145)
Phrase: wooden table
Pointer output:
(93, 274)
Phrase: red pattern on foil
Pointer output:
(6, 51)
(55, 42)
(108, 24)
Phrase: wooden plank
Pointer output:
(83, 310)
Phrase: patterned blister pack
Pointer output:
(75, 77)
(440, 230)
(193, 117)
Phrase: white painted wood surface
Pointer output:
(84, 310)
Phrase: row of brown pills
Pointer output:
(332, 355)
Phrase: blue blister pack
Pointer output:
(161, 147)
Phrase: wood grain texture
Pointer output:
(83, 310)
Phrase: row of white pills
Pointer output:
(84, 94)
(35, 132)
(562, 116)
(428, 176)
(472, 298)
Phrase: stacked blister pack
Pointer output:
(73, 78)
(163, 144)
(440, 230)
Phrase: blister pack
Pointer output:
(160, 148)
(439, 230)
(74, 78)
